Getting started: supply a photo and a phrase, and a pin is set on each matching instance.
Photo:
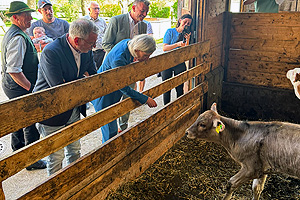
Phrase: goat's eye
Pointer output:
(202, 125)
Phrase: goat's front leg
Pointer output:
(234, 182)
(258, 186)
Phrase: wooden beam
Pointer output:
(42, 105)
(38, 150)
(141, 158)
(266, 19)
(238, 54)
(116, 149)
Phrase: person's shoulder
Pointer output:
(170, 30)
(120, 46)
(61, 21)
(120, 16)
(101, 19)
(58, 43)
(117, 19)
(37, 23)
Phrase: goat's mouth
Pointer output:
(190, 136)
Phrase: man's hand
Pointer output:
(21, 80)
(151, 103)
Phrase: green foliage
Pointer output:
(68, 9)
(174, 11)
(158, 9)
(109, 10)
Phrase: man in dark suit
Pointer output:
(66, 59)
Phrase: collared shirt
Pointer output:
(76, 55)
(101, 24)
(134, 27)
(16, 49)
(149, 27)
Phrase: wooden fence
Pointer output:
(263, 47)
(121, 158)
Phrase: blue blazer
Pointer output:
(57, 66)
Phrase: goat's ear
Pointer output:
(214, 107)
(218, 125)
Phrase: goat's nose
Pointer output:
(186, 133)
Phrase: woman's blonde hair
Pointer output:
(143, 42)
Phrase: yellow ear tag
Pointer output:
(218, 128)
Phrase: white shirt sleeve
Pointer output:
(15, 53)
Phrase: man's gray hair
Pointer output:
(146, 2)
(82, 28)
(143, 42)
(93, 2)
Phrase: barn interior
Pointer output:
(250, 54)
(239, 60)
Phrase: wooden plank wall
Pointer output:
(213, 31)
(263, 47)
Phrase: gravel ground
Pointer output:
(20, 183)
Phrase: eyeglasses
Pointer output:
(89, 43)
(95, 8)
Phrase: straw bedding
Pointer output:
(194, 169)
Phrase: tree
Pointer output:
(83, 4)
(124, 6)
(31, 4)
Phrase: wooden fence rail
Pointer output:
(97, 166)
(40, 106)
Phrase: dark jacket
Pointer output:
(30, 61)
(58, 66)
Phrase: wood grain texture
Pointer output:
(137, 162)
(38, 150)
(274, 19)
(261, 66)
(112, 152)
(48, 103)
(258, 78)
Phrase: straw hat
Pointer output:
(17, 7)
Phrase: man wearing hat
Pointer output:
(54, 27)
(19, 69)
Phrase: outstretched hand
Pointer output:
(151, 102)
